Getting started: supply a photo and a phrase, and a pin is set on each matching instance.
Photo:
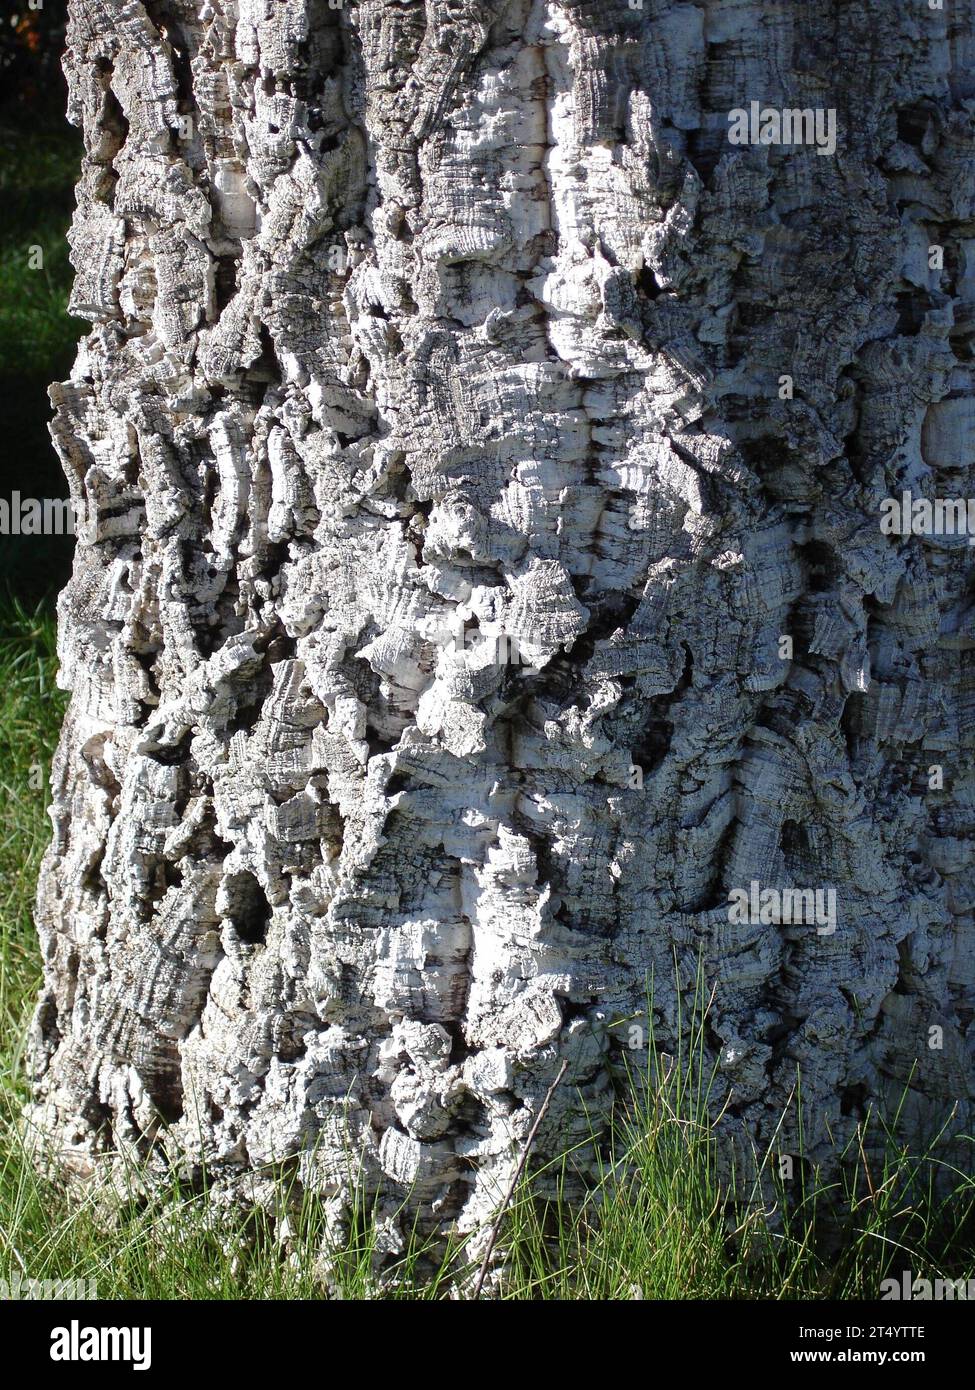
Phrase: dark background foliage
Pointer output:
(30, 41)
(39, 157)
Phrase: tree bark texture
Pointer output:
(466, 317)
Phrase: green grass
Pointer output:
(661, 1222)
(656, 1224)
(31, 708)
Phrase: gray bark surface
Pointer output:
(468, 318)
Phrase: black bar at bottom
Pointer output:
(166, 1339)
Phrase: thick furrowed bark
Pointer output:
(464, 424)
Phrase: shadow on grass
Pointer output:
(38, 166)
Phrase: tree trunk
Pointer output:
(480, 420)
